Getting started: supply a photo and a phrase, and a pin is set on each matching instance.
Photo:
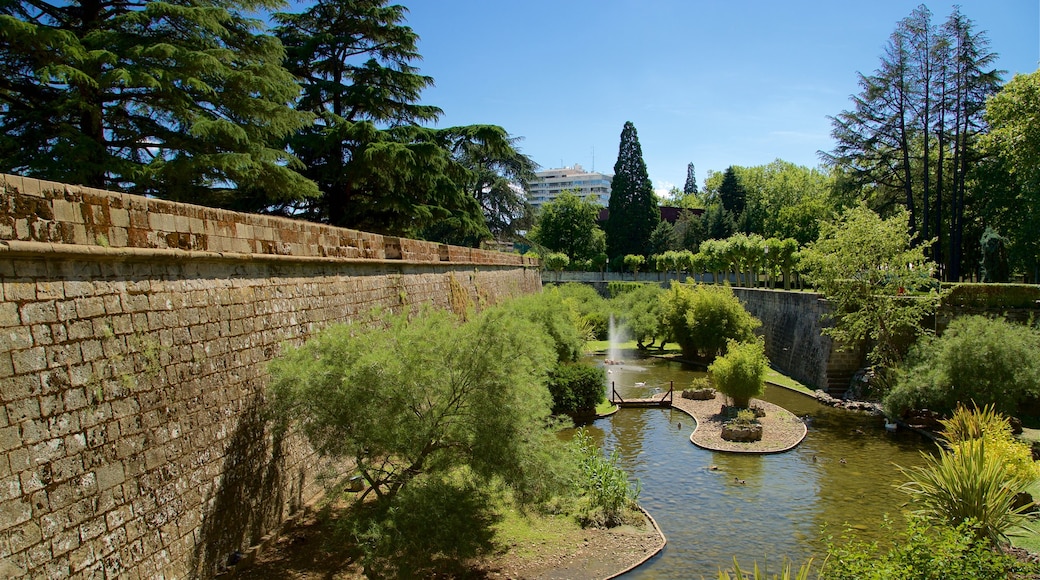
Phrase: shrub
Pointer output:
(992, 295)
(638, 311)
(988, 361)
(740, 373)
(922, 552)
(428, 410)
(985, 423)
(577, 388)
(549, 311)
(702, 319)
(967, 485)
(785, 572)
(608, 497)
(590, 307)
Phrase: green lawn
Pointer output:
(772, 375)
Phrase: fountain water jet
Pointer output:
(613, 344)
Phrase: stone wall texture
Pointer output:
(134, 339)
(792, 324)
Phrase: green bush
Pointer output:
(608, 499)
(992, 295)
(592, 308)
(431, 529)
(617, 288)
(967, 485)
(922, 552)
(702, 319)
(577, 388)
(549, 311)
(988, 361)
(638, 311)
(740, 373)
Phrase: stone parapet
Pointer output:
(55, 213)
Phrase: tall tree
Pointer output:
(182, 100)
(910, 138)
(1013, 175)
(690, 187)
(732, 194)
(567, 224)
(498, 175)
(377, 169)
(633, 206)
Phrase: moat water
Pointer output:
(789, 502)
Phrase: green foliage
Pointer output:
(550, 312)
(430, 530)
(633, 206)
(922, 552)
(639, 312)
(988, 361)
(968, 485)
(731, 193)
(556, 261)
(756, 574)
(591, 308)
(185, 101)
(616, 288)
(662, 239)
(864, 265)
(425, 395)
(991, 296)
(568, 224)
(911, 137)
(1013, 142)
(634, 263)
(702, 319)
(740, 373)
(608, 497)
(577, 388)
(986, 423)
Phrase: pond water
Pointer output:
(790, 502)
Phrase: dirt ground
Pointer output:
(301, 553)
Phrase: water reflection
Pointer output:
(754, 507)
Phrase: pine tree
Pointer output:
(182, 100)
(633, 206)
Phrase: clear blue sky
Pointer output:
(712, 82)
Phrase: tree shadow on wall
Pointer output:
(250, 498)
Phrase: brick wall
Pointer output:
(134, 337)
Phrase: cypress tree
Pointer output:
(633, 207)
(690, 187)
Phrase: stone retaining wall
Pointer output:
(134, 338)
(792, 323)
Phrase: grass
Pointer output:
(772, 375)
(601, 347)
(526, 533)
(777, 378)
(605, 407)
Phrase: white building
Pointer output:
(594, 187)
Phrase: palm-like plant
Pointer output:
(968, 485)
(785, 574)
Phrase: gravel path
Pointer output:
(781, 429)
